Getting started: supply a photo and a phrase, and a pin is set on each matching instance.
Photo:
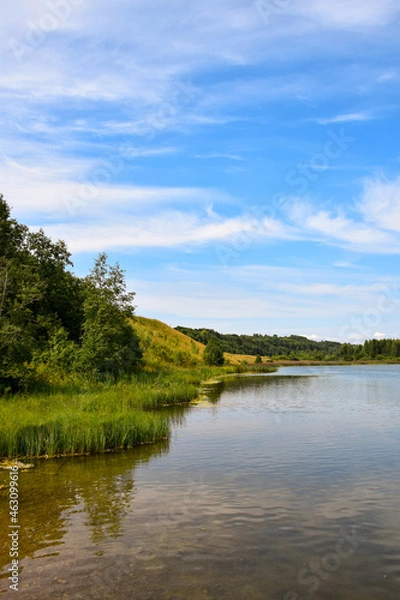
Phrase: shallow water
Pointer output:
(280, 487)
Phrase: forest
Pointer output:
(295, 347)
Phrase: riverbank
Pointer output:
(83, 418)
(327, 363)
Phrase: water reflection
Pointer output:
(280, 487)
(55, 491)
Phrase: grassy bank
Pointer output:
(78, 418)
(68, 415)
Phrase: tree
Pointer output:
(38, 296)
(110, 346)
(20, 289)
(213, 354)
(62, 300)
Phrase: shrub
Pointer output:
(213, 354)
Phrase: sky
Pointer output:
(239, 159)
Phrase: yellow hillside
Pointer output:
(164, 346)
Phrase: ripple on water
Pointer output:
(285, 484)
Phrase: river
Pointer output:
(278, 487)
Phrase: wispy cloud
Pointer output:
(347, 118)
(380, 203)
(104, 115)
(219, 155)
(342, 15)
(348, 232)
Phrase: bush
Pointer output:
(213, 354)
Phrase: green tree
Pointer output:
(110, 346)
(213, 354)
(20, 289)
(37, 296)
(62, 302)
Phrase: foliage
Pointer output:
(265, 345)
(296, 347)
(110, 346)
(385, 349)
(48, 316)
(213, 354)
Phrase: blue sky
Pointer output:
(239, 159)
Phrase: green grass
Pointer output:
(91, 419)
(63, 424)
(97, 417)
(68, 415)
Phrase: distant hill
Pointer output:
(164, 346)
(293, 346)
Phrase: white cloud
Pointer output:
(352, 233)
(206, 296)
(379, 336)
(168, 229)
(380, 203)
(347, 118)
(72, 189)
(219, 155)
(344, 15)
(83, 61)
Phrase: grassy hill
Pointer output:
(164, 346)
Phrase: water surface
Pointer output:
(279, 487)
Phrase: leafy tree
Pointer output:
(110, 346)
(62, 302)
(213, 354)
(258, 360)
(20, 289)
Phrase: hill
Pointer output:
(164, 346)
(287, 347)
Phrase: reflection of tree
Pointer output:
(247, 382)
(49, 492)
(213, 391)
(112, 501)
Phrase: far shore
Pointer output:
(333, 363)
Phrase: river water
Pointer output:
(281, 487)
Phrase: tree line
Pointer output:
(290, 347)
(385, 349)
(51, 320)
(296, 347)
